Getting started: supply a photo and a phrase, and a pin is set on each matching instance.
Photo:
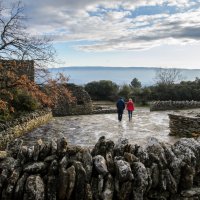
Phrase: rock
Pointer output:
(4, 179)
(53, 146)
(61, 146)
(110, 162)
(13, 147)
(3, 154)
(49, 159)
(52, 181)
(155, 175)
(71, 178)
(125, 191)
(120, 146)
(63, 176)
(102, 147)
(184, 153)
(86, 159)
(130, 158)
(142, 155)
(193, 192)
(8, 163)
(156, 152)
(35, 168)
(123, 171)
(80, 181)
(94, 187)
(187, 175)
(169, 181)
(108, 191)
(37, 149)
(19, 189)
(140, 182)
(100, 165)
(11, 183)
(34, 188)
(88, 192)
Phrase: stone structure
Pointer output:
(173, 105)
(184, 125)
(21, 125)
(110, 171)
(25, 67)
(81, 105)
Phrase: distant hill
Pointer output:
(120, 75)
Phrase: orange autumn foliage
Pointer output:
(47, 96)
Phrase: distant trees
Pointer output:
(166, 88)
(102, 90)
(135, 83)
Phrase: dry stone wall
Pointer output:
(121, 171)
(184, 126)
(173, 105)
(25, 67)
(81, 105)
(13, 129)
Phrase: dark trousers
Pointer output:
(120, 113)
(130, 114)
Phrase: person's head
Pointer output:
(130, 99)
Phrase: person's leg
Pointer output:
(119, 116)
(129, 115)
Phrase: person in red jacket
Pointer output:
(130, 107)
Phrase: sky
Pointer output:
(146, 33)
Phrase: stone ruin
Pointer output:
(109, 171)
(185, 125)
(24, 67)
(81, 105)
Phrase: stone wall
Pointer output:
(21, 125)
(81, 105)
(25, 67)
(120, 171)
(184, 126)
(173, 105)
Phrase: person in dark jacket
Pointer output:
(120, 108)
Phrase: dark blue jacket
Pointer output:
(120, 105)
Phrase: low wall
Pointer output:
(184, 126)
(19, 126)
(173, 105)
(110, 171)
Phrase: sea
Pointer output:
(120, 75)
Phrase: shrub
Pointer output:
(22, 101)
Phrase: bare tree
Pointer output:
(168, 76)
(16, 43)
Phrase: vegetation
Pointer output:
(168, 86)
(17, 91)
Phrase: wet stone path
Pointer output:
(85, 130)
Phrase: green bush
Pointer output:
(23, 101)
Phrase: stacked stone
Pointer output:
(110, 171)
(184, 126)
(173, 105)
(104, 111)
(12, 129)
(81, 105)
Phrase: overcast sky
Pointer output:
(149, 33)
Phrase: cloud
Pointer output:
(116, 25)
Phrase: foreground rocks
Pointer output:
(110, 171)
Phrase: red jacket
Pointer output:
(130, 106)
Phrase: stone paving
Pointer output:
(85, 130)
